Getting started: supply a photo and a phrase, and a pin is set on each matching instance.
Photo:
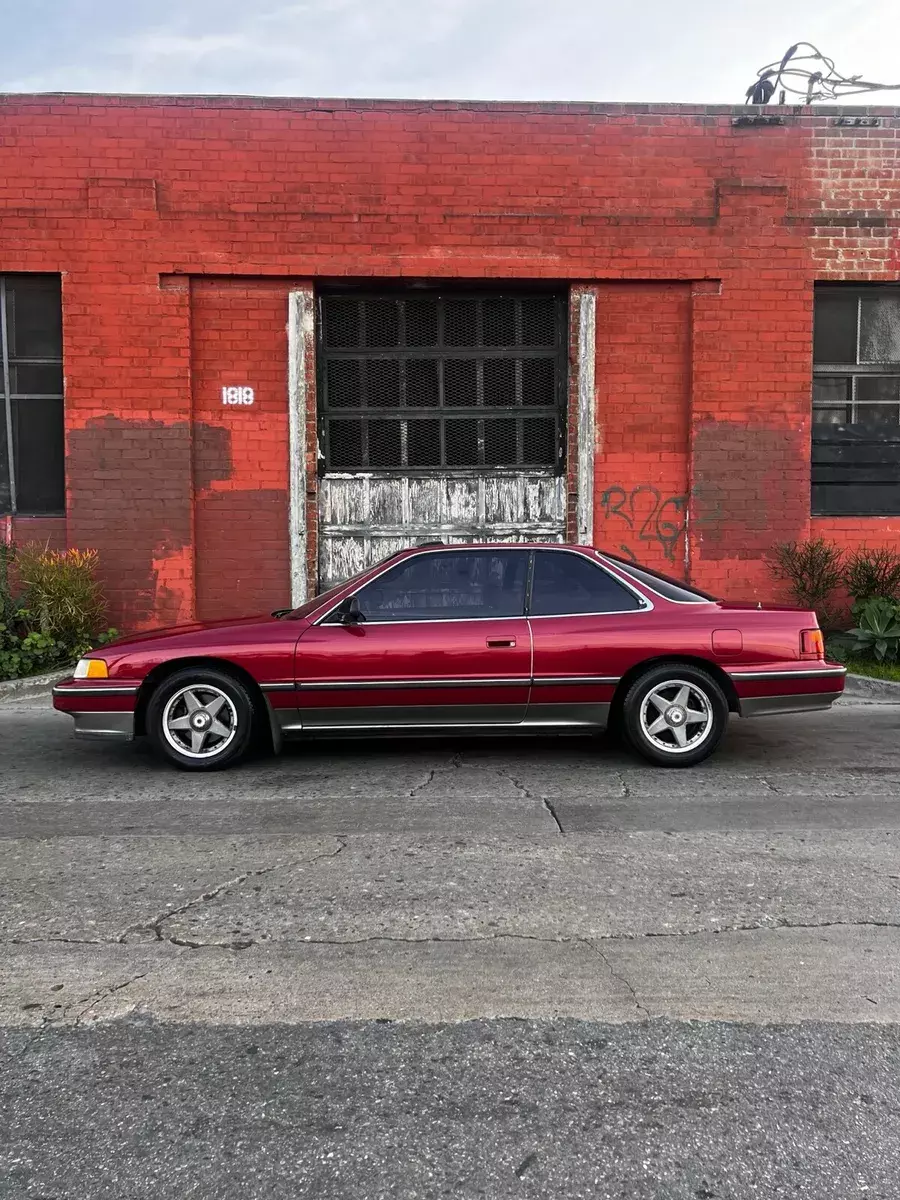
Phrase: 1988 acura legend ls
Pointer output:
(445, 639)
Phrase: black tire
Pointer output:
(681, 741)
(195, 749)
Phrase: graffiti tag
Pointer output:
(650, 516)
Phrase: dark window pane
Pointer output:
(421, 322)
(499, 381)
(539, 321)
(831, 391)
(500, 448)
(385, 444)
(461, 322)
(40, 456)
(879, 329)
(344, 376)
(422, 383)
(460, 383)
(382, 322)
(499, 321)
(345, 445)
(383, 383)
(566, 583)
(342, 328)
(538, 381)
(539, 442)
(423, 447)
(877, 400)
(34, 317)
(835, 328)
(468, 584)
(29, 380)
(462, 443)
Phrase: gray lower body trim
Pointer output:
(813, 673)
(116, 725)
(441, 718)
(764, 706)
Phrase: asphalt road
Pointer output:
(674, 983)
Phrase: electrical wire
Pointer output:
(822, 83)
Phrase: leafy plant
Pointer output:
(58, 615)
(812, 571)
(62, 594)
(871, 573)
(878, 628)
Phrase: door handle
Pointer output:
(495, 642)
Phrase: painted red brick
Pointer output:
(180, 224)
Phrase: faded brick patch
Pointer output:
(750, 489)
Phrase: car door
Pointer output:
(443, 641)
(584, 623)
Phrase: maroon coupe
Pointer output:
(447, 639)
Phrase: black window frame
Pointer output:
(11, 400)
(443, 413)
(644, 603)
(855, 466)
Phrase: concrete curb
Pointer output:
(864, 687)
(31, 685)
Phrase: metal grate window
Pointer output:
(856, 401)
(32, 455)
(438, 382)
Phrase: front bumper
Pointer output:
(98, 710)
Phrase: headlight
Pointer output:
(92, 668)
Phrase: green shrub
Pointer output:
(51, 608)
(877, 630)
(871, 573)
(813, 572)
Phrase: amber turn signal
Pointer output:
(812, 643)
(92, 668)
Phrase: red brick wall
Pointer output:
(715, 232)
(240, 452)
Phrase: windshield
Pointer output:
(323, 597)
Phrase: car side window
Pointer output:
(566, 584)
(449, 586)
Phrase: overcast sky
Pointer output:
(689, 50)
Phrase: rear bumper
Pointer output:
(767, 706)
(788, 689)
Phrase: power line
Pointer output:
(811, 76)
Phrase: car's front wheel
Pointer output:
(675, 715)
(201, 720)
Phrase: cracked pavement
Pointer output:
(450, 886)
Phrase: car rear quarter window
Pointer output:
(567, 584)
(668, 588)
(449, 586)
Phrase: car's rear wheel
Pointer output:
(201, 719)
(675, 715)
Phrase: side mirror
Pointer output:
(349, 612)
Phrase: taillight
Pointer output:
(812, 643)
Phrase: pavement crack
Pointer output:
(624, 784)
(771, 786)
(548, 804)
(429, 778)
(626, 983)
(155, 925)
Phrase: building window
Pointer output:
(856, 402)
(32, 455)
(435, 383)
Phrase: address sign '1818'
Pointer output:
(237, 395)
